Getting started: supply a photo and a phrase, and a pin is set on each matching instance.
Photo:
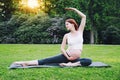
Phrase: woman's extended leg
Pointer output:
(55, 59)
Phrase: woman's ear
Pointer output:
(72, 25)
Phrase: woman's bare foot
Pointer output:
(20, 63)
(70, 64)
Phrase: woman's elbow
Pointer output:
(61, 49)
(84, 16)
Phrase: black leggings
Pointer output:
(62, 59)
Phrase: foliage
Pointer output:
(111, 35)
(57, 29)
(9, 27)
(33, 30)
(22, 28)
(7, 8)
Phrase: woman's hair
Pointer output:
(72, 21)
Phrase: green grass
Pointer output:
(9, 53)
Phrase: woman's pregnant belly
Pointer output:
(74, 52)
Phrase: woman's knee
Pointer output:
(85, 61)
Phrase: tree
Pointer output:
(110, 17)
(7, 8)
(111, 35)
(33, 30)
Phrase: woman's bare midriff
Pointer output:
(74, 52)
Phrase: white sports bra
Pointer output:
(75, 42)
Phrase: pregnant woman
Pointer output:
(74, 39)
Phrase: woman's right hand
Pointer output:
(70, 8)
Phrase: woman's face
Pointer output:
(68, 25)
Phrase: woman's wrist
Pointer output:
(67, 54)
(76, 10)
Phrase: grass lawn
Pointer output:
(9, 53)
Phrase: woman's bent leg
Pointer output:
(78, 62)
(55, 59)
(85, 61)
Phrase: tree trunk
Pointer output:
(91, 36)
(96, 36)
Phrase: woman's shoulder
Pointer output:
(66, 35)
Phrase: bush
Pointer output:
(9, 27)
(111, 35)
(33, 30)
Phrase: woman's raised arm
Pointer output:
(83, 16)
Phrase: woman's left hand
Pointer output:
(71, 58)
